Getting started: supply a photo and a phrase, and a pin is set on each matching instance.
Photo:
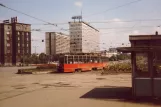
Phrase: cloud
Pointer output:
(135, 32)
(78, 4)
(117, 20)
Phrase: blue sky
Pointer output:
(61, 11)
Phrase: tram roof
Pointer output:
(84, 55)
(96, 55)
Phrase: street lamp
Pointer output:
(42, 40)
(35, 48)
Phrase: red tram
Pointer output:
(77, 63)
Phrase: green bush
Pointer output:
(118, 67)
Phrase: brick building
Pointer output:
(5, 44)
(15, 42)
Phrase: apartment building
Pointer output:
(83, 38)
(62, 43)
(5, 44)
(21, 41)
(57, 43)
(15, 42)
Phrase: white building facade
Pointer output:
(83, 38)
(57, 43)
(62, 43)
(111, 52)
(108, 54)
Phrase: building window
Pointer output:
(27, 33)
(8, 33)
(18, 44)
(18, 33)
(8, 44)
(18, 38)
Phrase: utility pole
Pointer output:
(41, 40)
(35, 48)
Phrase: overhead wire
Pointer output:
(31, 16)
(102, 22)
(115, 28)
(48, 23)
(113, 8)
(126, 21)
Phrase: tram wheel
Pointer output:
(79, 70)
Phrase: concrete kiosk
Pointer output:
(146, 64)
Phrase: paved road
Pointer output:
(66, 90)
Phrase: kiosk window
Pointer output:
(142, 65)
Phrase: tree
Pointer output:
(35, 59)
(123, 56)
(27, 59)
(113, 58)
(55, 57)
(43, 58)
